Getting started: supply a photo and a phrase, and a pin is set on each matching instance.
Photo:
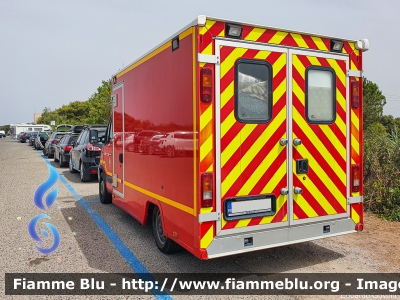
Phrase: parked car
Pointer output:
(63, 148)
(55, 137)
(51, 143)
(177, 143)
(41, 140)
(19, 136)
(85, 155)
(139, 137)
(24, 137)
(32, 138)
(150, 145)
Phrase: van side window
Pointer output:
(253, 92)
(320, 95)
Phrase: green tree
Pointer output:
(390, 123)
(95, 110)
(373, 104)
(6, 128)
(99, 104)
(382, 171)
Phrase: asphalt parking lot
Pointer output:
(97, 238)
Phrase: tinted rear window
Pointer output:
(72, 139)
(97, 136)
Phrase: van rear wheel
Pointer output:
(165, 244)
(105, 196)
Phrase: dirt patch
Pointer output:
(380, 241)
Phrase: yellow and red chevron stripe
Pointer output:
(206, 157)
(324, 145)
(252, 160)
(207, 230)
(272, 36)
(258, 167)
(356, 210)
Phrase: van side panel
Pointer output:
(159, 97)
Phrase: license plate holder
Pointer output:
(250, 207)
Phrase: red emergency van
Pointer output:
(259, 138)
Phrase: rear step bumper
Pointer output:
(257, 240)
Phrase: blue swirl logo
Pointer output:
(44, 187)
(38, 201)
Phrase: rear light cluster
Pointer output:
(207, 190)
(355, 94)
(92, 150)
(206, 85)
(68, 148)
(55, 141)
(355, 174)
(91, 147)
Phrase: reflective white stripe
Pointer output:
(205, 58)
(354, 200)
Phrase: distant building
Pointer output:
(36, 116)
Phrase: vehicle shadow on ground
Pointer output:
(72, 177)
(101, 253)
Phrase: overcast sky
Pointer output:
(54, 52)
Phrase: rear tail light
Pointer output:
(68, 148)
(207, 190)
(355, 94)
(206, 85)
(355, 173)
(55, 141)
(359, 227)
(91, 147)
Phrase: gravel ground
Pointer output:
(85, 248)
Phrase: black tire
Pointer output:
(105, 196)
(163, 243)
(84, 177)
(62, 162)
(71, 168)
(55, 158)
(170, 151)
(151, 150)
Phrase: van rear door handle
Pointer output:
(121, 158)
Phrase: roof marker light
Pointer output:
(234, 31)
(362, 45)
(336, 46)
(201, 20)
